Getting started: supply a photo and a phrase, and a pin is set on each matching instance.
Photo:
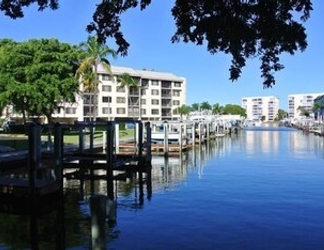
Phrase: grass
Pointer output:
(20, 141)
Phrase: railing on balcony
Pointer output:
(166, 104)
(166, 85)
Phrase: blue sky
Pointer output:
(149, 33)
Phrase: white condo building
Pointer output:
(298, 101)
(261, 108)
(156, 98)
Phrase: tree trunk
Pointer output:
(95, 97)
(90, 108)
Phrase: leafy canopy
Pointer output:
(242, 28)
(37, 75)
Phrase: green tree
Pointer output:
(37, 75)
(195, 106)
(205, 106)
(281, 114)
(233, 109)
(127, 81)
(183, 110)
(303, 111)
(217, 109)
(243, 29)
(94, 54)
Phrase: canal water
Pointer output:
(260, 189)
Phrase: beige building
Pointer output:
(261, 108)
(298, 101)
(156, 98)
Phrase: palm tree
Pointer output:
(217, 109)
(126, 80)
(205, 106)
(183, 110)
(88, 84)
(304, 111)
(94, 54)
(195, 106)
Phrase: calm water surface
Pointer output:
(260, 189)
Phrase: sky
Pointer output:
(149, 33)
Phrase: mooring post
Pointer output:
(166, 139)
(148, 142)
(185, 132)
(104, 139)
(208, 130)
(180, 138)
(98, 221)
(91, 136)
(81, 139)
(193, 132)
(109, 158)
(58, 152)
(34, 154)
(140, 140)
(117, 138)
(199, 132)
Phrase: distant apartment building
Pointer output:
(299, 102)
(157, 97)
(261, 108)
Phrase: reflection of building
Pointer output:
(297, 102)
(261, 108)
(268, 143)
(168, 171)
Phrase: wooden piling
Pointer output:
(148, 142)
(109, 159)
(166, 139)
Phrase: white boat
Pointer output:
(252, 123)
(173, 137)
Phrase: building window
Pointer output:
(176, 92)
(155, 102)
(106, 110)
(166, 84)
(70, 111)
(106, 88)
(143, 101)
(106, 99)
(105, 77)
(121, 111)
(154, 111)
(120, 89)
(143, 111)
(155, 83)
(145, 82)
(121, 99)
(143, 91)
(155, 92)
(177, 84)
(176, 103)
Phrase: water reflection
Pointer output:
(65, 221)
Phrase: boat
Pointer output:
(157, 137)
(252, 123)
